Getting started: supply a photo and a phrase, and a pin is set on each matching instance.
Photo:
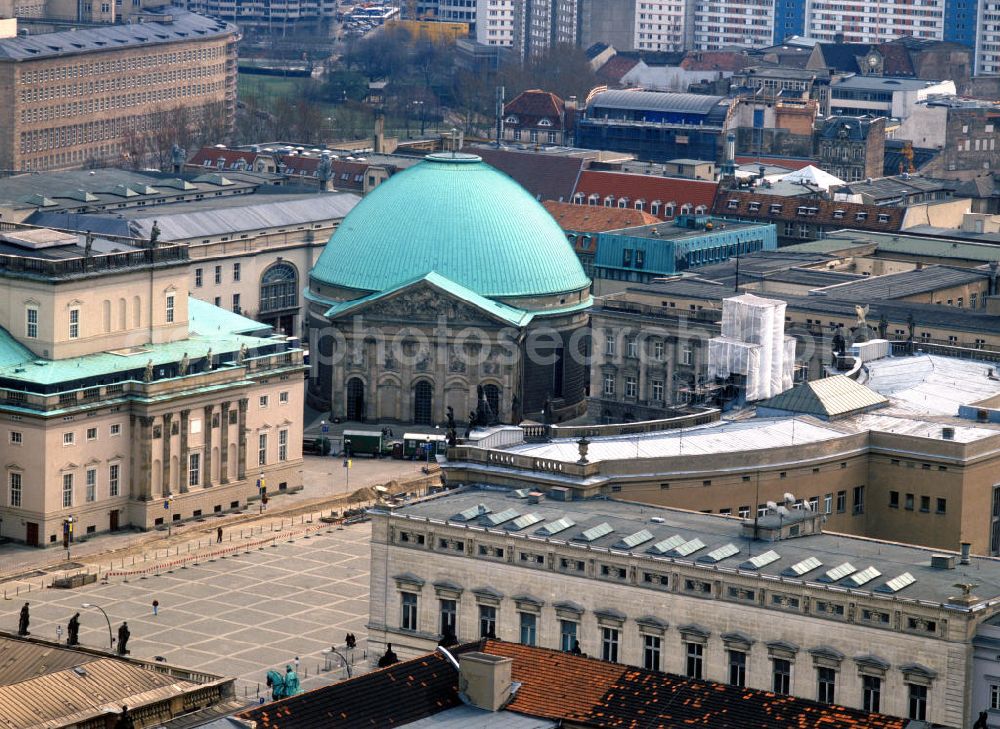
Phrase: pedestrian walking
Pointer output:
(156, 607)
(218, 535)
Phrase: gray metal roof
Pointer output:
(903, 284)
(879, 83)
(831, 397)
(657, 101)
(891, 559)
(178, 25)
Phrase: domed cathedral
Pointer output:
(447, 281)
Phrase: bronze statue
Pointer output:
(22, 625)
(389, 658)
(472, 423)
(73, 630)
(123, 636)
(125, 720)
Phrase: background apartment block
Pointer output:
(90, 97)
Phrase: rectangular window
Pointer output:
(631, 387)
(909, 502)
(925, 504)
(657, 390)
(283, 398)
(609, 343)
(449, 618)
(695, 653)
(194, 469)
(263, 400)
(236, 304)
(995, 696)
(609, 385)
(91, 484)
(115, 429)
(14, 480)
(31, 327)
(658, 350)
(609, 644)
(113, 475)
(74, 323)
(67, 499)
(871, 694)
(236, 272)
(651, 652)
(841, 502)
(942, 506)
(487, 621)
(91, 433)
(859, 499)
(170, 308)
(781, 675)
(632, 347)
(198, 277)
(408, 619)
(218, 274)
(893, 499)
(917, 702)
(262, 449)
(828, 504)
(16, 438)
(826, 679)
(687, 356)
(567, 635)
(529, 628)
(737, 668)
(282, 445)
(69, 439)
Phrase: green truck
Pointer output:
(362, 443)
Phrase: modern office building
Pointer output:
(125, 401)
(771, 602)
(98, 95)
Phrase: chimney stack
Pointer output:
(485, 680)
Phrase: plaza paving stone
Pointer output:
(238, 617)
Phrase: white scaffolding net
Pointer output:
(753, 344)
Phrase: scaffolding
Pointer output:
(753, 345)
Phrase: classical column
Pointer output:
(242, 438)
(167, 424)
(184, 459)
(141, 481)
(224, 445)
(206, 479)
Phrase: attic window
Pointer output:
(838, 214)
(754, 207)
(733, 204)
(775, 208)
(883, 217)
(861, 216)
(544, 123)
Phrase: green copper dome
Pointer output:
(459, 217)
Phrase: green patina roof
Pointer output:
(457, 216)
(509, 314)
(209, 327)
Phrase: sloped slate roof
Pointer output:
(656, 101)
(184, 26)
(831, 397)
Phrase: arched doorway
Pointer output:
(492, 393)
(355, 399)
(423, 401)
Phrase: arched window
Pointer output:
(492, 393)
(578, 198)
(423, 400)
(279, 288)
(355, 399)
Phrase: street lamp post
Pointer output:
(111, 639)
(340, 655)
(420, 105)
(169, 506)
(347, 463)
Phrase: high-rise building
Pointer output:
(634, 25)
(494, 21)
(724, 23)
(542, 24)
(861, 21)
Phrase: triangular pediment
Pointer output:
(427, 300)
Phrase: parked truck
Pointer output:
(363, 443)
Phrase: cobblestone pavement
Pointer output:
(239, 614)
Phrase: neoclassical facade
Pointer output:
(447, 279)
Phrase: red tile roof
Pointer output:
(545, 176)
(823, 212)
(596, 218)
(594, 693)
(535, 103)
(231, 157)
(649, 188)
(715, 61)
(616, 67)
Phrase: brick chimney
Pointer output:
(485, 680)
